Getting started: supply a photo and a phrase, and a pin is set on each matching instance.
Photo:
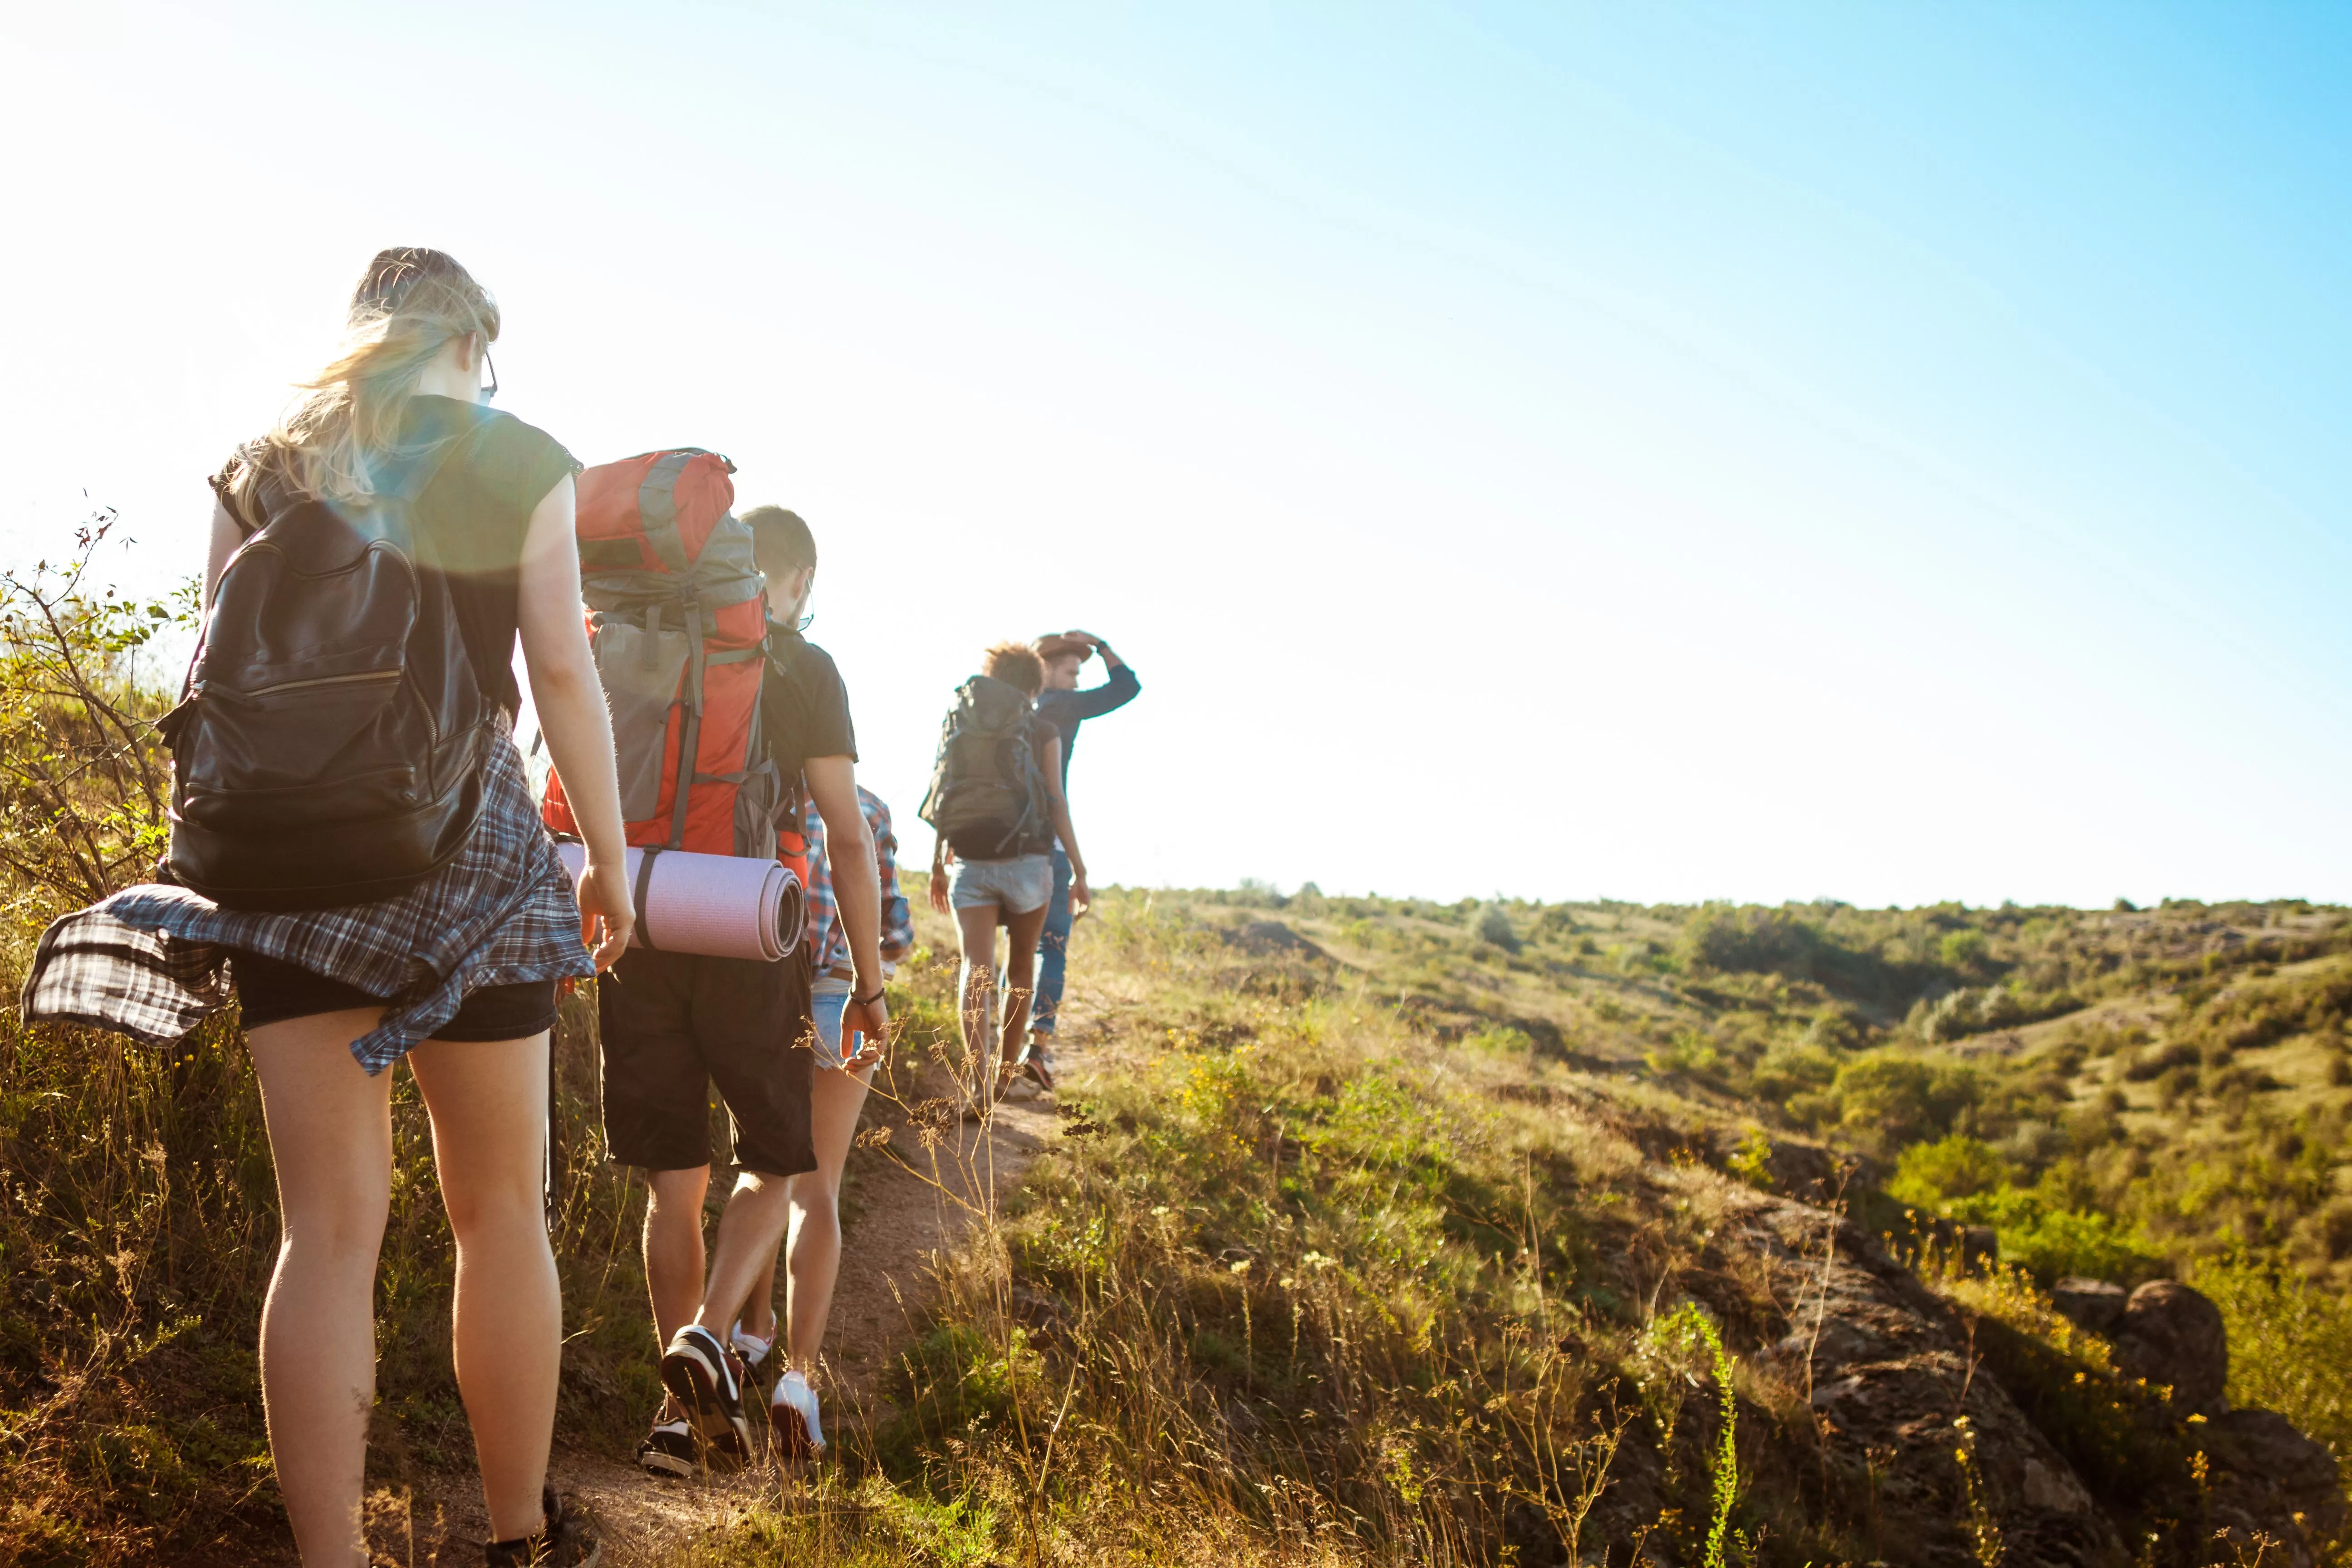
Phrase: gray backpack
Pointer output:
(988, 795)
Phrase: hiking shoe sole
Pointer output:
(671, 1451)
(695, 1372)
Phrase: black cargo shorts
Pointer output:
(673, 1024)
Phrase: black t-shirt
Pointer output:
(805, 710)
(470, 518)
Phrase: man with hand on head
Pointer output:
(1063, 707)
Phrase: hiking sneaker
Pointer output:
(754, 1368)
(696, 1372)
(670, 1450)
(798, 1436)
(568, 1539)
(1038, 1061)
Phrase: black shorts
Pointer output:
(270, 990)
(674, 1023)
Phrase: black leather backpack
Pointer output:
(328, 748)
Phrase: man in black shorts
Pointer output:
(677, 1022)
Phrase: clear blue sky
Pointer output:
(1755, 451)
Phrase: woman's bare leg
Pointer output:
(1020, 978)
(488, 1101)
(813, 1253)
(330, 1139)
(976, 933)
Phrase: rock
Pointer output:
(2093, 1304)
(2268, 1478)
(1891, 1375)
(2172, 1335)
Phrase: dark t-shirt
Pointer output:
(470, 518)
(803, 710)
(1066, 711)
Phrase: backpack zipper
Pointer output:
(323, 680)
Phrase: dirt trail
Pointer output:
(895, 1220)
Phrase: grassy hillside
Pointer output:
(1387, 1231)
(1376, 1231)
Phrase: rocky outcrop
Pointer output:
(2173, 1336)
(2266, 1479)
(2093, 1304)
(1897, 1399)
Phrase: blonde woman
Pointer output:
(456, 973)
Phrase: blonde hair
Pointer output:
(409, 305)
(1017, 665)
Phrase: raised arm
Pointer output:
(573, 716)
(1117, 689)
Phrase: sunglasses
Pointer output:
(492, 390)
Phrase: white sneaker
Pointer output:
(792, 1418)
(752, 1351)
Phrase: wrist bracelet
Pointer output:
(868, 1000)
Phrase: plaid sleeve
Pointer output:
(898, 919)
(823, 928)
(91, 968)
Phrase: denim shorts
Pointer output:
(827, 998)
(1016, 886)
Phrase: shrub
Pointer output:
(1495, 926)
(1746, 940)
(1933, 1174)
(2290, 1344)
(1965, 951)
(1888, 1099)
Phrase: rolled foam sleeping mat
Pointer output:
(723, 906)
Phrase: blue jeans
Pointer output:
(1052, 950)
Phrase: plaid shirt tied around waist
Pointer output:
(153, 960)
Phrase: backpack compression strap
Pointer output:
(658, 507)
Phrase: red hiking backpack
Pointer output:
(678, 625)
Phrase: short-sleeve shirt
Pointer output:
(804, 706)
(470, 518)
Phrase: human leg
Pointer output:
(976, 933)
(673, 1279)
(828, 997)
(331, 1141)
(814, 1253)
(488, 1104)
(673, 1252)
(1052, 950)
(755, 1024)
(1020, 978)
(657, 1118)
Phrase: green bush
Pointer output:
(1495, 926)
(2290, 1344)
(1887, 1099)
(1725, 939)
(1934, 1174)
